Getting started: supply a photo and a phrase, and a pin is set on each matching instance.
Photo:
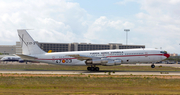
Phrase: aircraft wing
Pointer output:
(26, 57)
(83, 57)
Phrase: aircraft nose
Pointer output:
(167, 55)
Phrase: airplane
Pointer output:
(12, 59)
(31, 51)
(16, 59)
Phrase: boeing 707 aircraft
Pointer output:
(32, 52)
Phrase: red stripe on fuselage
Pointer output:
(137, 55)
(57, 59)
(113, 56)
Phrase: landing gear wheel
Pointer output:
(96, 68)
(89, 68)
(152, 66)
(92, 68)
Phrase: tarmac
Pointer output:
(101, 72)
(89, 72)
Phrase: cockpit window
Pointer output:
(164, 52)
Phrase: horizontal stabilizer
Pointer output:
(26, 57)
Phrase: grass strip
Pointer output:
(88, 84)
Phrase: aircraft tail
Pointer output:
(29, 46)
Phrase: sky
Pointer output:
(153, 23)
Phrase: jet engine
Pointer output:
(104, 62)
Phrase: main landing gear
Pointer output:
(93, 68)
(153, 66)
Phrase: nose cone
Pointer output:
(167, 55)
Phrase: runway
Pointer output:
(101, 72)
(89, 72)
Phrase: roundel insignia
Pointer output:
(63, 61)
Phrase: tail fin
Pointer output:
(29, 46)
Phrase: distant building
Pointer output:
(66, 47)
(174, 54)
(7, 49)
(18, 48)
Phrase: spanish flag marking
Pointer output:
(63, 61)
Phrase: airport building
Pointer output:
(7, 49)
(67, 47)
(174, 54)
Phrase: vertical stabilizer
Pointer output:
(29, 46)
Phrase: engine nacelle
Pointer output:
(95, 61)
(112, 63)
(104, 62)
(117, 62)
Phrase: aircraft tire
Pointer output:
(97, 69)
(92, 68)
(153, 66)
(89, 68)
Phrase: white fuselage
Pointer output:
(128, 56)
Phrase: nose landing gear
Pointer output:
(153, 66)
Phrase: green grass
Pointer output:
(112, 68)
(88, 85)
